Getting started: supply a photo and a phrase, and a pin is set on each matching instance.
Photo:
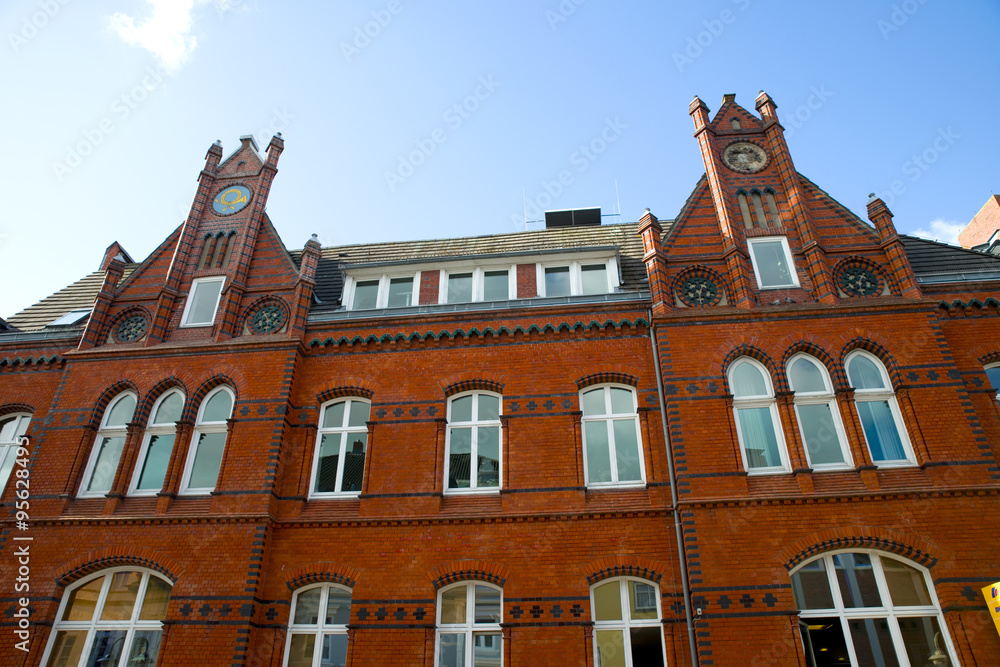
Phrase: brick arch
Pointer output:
(864, 262)
(101, 404)
(217, 380)
(757, 354)
(465, 570)
(321, 572)
(625, 565)
(108, 557)
(13, 407)
(350, 387)
(877, 349)
(805, 346)
(854, 537)
(989, 358)
(456, 384)
(606, 377)
(143, 409)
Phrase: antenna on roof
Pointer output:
(618, 200)
(524, 200)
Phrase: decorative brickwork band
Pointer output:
(605, 377)
(26, 362)
(887, 544)
(990, 358)
(11, 408)
(458, 386)
(464, 570)
(342, 392)
(109, 557)
(624, 566)
(321, 572)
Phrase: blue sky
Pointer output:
(110, 106)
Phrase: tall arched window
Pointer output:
(472, 447)
(111, 619)
(817, 413)
(339, 464)
(757, 424)
(866, 608)
(772, 208)
(612, 448)
(158, 443)
(317, 627)
(468, 621)
(12, 427)
(627, 626)
(878, 410)
(745, 210)
(208, 442)
(107, 450)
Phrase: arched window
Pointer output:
(114, 618)
(745, 210)
(817, 413)
(772, 207)
(208, 442)
(612, 447)
(866, 608)
(468, 622)
(339, 463)
(627, 627)
(992, 374)
(158, 443)
(735, 122)
(757, 424)
(472, 446)
(107, 450)
(317, 627)
(878, 410)
(12, 427)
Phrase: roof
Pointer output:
(79, 295)
(933, 258)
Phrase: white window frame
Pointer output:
(575, 273)
(475, 425)
(478, 281)
(762, 401)
(344, 432)
(788, 257)
(8, 448)
(94, 624)
(190, 301)
(382, 300)
(153, 430)
(887, 394)
(205, 427)
(106, 432)
(826, 397)
(608, 418)
(887, 611)
(470, 628)
(626, 623)
(320, 628)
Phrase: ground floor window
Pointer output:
(469, 617)
(317, 632)
(627, 626)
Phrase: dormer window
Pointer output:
(203, 300)
(577, 278)
(772, 262)
(382, 292)
(477, 284)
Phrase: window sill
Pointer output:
(768, 471)
(201, 325)
(472, 492)
(612, 486)
(334, 496)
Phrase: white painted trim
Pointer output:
(190, 300)
(788, 256)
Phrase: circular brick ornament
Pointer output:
(131, 329)
(267, 319)
(860, 281)
(699, 291)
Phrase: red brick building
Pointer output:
(762, 433)
(983, 231)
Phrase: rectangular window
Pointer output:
(496, 286)
(474, 285)
(594, 278)
(400, 292)
(557, 281)
(459, 287)
(365, 295)
(203, 299)
(772, 262)
(577, 278)
(381, 292)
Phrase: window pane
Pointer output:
(880, 431)
(107, 464)
(821, 438)
(647, 647)
(460, 458)
(365, 295)
(334, 651)
(453, 603)
(919, 636)
(8, 456)
(169, 410)
(461, 409)
(642, 600)
(218, 408)
(487, 605)
(496, 286)
(759, 439)
(608, 602)
(593, 403)
(825, 643)
(154, 604)
(333, 416)
(488, 465)
(154, 470)
(993, 375)
(359, 413)
(459, 287)
(557, 281)
(68, 648)
(121, 596)
(354, 461)
(610, 648)
(451, 650)
(300, 653)
(107, 648)
(489, 407)
(907, 586)
(749, 381)
(595, 279)
(122, 411)
(627, 450)
(621, 401)
(598, 455)
(204, 297)
(205, 471)
(772, 265)
(857, 580)
(806, 376)
(873, 642)
(864, 374)
(82, 601)
(329, 460)
(7, 427)
(486, 649)
(145, 648)
(338, 607)
(400, 292)
(307, 607)
(811, 587)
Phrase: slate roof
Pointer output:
(930, 258)
(80, 294)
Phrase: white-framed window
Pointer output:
(878, 410)
(208, 442)
(202, 302)
(339, 462)
(385, 291)
(573, 278)
(157, 444)
(612, 446)
(473, 443)
(992, 374)
(772, 262)
(468, 625)
(317, 627)
(868, 608)
(816, 409)
(112, 619)
(627, 627)
(103, 463)
(467, 285)
(12, 427)
(757, 424)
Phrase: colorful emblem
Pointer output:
(231, 200)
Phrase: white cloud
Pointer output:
(941, 230)
(166, 33)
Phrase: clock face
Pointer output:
(744, 157)
(231, 200)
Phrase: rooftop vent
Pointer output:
(573, 217)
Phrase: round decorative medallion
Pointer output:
(744, 157)
(131, 329)
(699, 291)
(860, 281)
(267, 319)
(231, 200)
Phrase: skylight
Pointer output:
(72, 317)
